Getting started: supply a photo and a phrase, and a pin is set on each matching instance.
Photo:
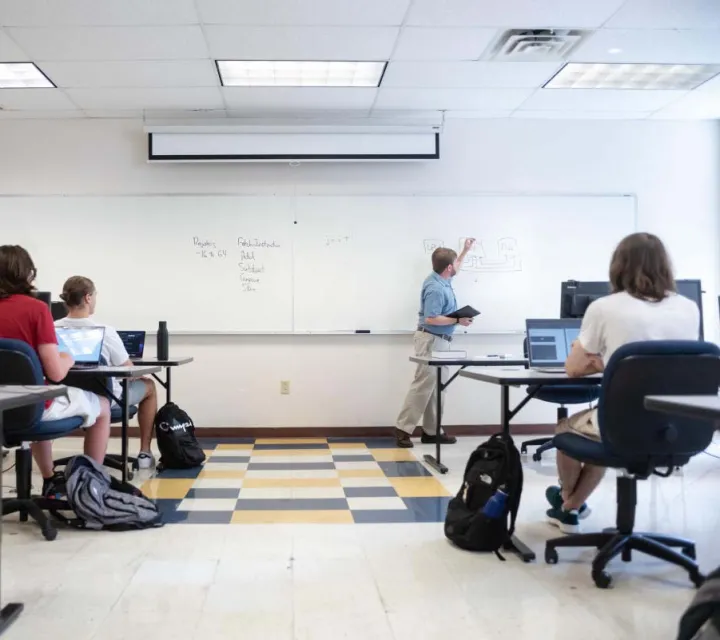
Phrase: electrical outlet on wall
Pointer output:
(285, 387)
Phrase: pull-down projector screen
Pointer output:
(288, 147)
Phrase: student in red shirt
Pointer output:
(22, 317)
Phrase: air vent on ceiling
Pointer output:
(537, 44)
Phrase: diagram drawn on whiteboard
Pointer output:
(506, 258)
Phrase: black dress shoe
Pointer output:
(402, 439)
(444, 439)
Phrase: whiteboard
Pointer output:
(200, 263)
(360, 262)
(262, 264)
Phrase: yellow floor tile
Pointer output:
(346, 445)
(210, 473)
(230, 446)
(361, 473)
(291, 441)
(418, 487)
(269, 483)
(168, 488)
(393, 455)
(307, 517)
(290, 452)
(208, 452)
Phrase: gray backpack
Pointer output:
(701, 621)
(103, 502)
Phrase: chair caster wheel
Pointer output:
(627, 554)
(130, 475)
(697, 578)
(49, 532)
(523, 449)
(689, 552)
(602, 579)
(537, 457)
(551, 555)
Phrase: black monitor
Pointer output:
(575, 297)
(58, 310)
(43, 296)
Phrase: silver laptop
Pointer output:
(84, 344)
(549, 343)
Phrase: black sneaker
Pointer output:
(444, 439)
(54, 488)
(402, 439)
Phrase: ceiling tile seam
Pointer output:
(218, 81)
(520, 106)
(673, 101)
(614, 13)
(13, 41)
(400, 30)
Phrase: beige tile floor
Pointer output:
(369, 581)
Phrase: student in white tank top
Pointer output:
(643, 306)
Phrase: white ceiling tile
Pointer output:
(700, 46)
(183, 116)
(111, 43)
(35, 13)
(468, 74)
(137, 73)
(155, 98)
(457, 99)
(41, 115)
(300, 43)
(703, 102)
(303, 12)
(9, 51)
(667, 14)
(599, 100)
(513, 14)
(114, 114)
(250, 99)
(581, 115)
(477, 115)
(35, 99)
(421, 43)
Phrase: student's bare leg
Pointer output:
(569, 471)
(97, 436)
(42, 453)
(590, 477)
(146, 414)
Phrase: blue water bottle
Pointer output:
(495, 506)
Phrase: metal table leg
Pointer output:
(10, 612)
(125, 407)
(434, 462)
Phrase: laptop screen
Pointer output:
(83, 343)
(550, 341)
(134, 342)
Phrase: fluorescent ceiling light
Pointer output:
(23, 75)
(580, 75)
(299, 73)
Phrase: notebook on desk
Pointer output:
(549, 343)
(134, 342)
(84, 344)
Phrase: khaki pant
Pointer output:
(583, 423)
(421, 400)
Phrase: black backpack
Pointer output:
(494, 464)
(701, 620)
(175, 432)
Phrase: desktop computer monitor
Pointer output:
(575, 297)
(58, 310)
(43, 296)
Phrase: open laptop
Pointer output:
(549, 343)
(134, 342)
(84, 344)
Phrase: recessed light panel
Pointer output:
(23, 75)
(580, 75)
(299, 73)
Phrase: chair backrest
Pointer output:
(19, 364)
(648, 439)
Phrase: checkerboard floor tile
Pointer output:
(300, 480)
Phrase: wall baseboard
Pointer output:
(347, 432)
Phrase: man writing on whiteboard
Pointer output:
(434, 333)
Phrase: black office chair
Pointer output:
(642, 443)
(19, 364)
(563, 395)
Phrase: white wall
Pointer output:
(674, 168)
